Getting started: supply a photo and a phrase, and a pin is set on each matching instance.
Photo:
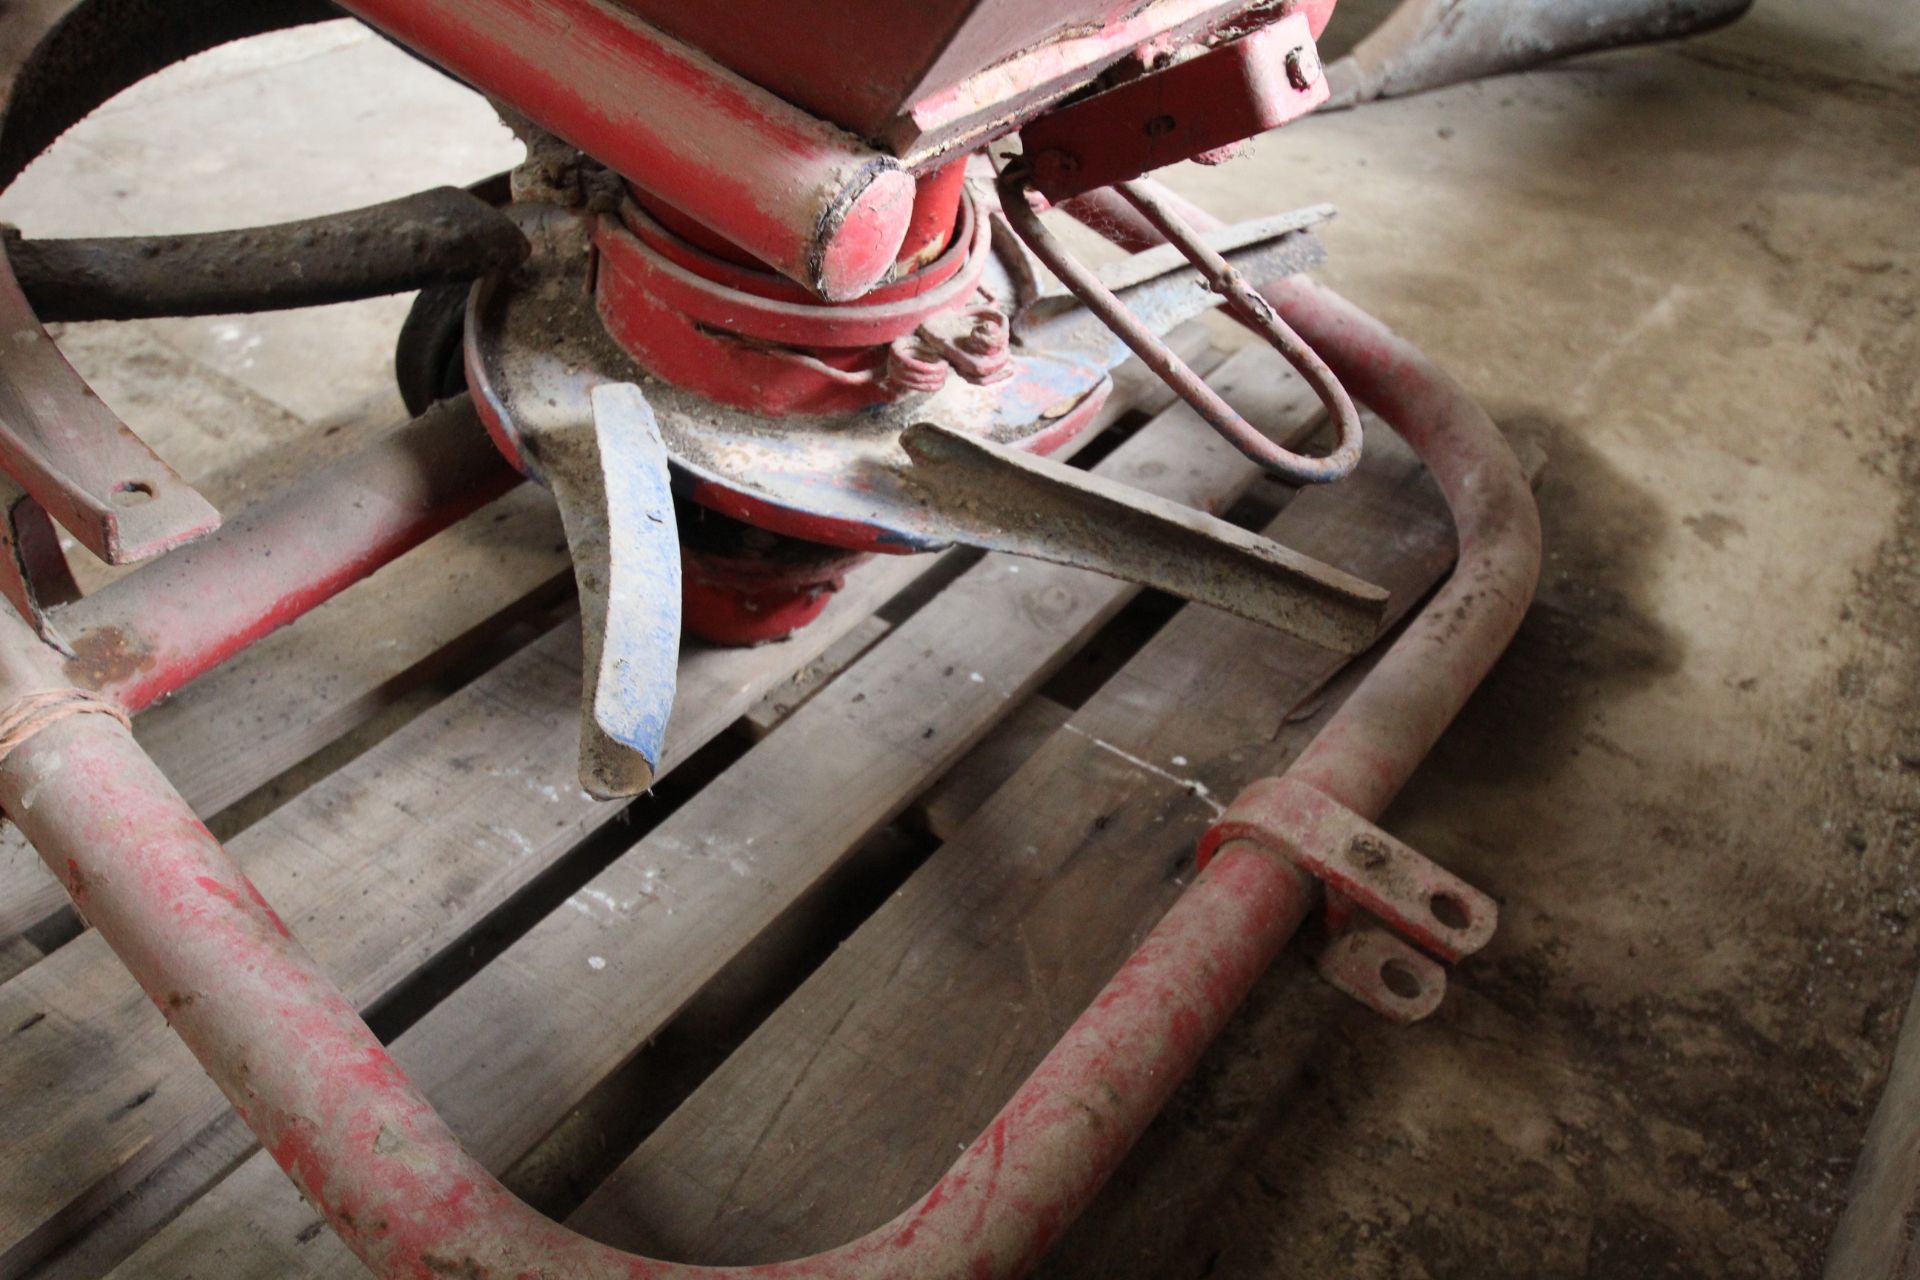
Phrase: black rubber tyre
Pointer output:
(428, 360)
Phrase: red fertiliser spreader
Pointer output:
(777, 289)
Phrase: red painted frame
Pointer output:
(339, 1115)
(810, 200)
(177, 617)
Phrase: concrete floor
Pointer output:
(1694, 783)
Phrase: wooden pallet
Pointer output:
(897, 855)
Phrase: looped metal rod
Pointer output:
(1239, 295)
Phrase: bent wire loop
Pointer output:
(1252, 310)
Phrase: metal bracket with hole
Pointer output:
(82, 464)
(1389, 908)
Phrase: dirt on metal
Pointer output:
(107, 656)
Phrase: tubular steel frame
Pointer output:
(173, 619)
(333, 1108)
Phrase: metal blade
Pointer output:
(609, 476)
(1004, 500)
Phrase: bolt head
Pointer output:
(1303, 67)
(1054, 164)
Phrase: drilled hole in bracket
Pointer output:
(1449, 910)
(1400, 979)
(132, 493)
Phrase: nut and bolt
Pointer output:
(1303, 67)
(1055, 165)
(915, 365)
(988, 334)
(974, 343)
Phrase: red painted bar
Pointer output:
(808, 199)
(345, 1123)
(174, 619)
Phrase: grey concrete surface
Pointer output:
(1695, 782)
(284, 127)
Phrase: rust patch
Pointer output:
(1369, 854)
(107, 657)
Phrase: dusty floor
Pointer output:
(1694, 783)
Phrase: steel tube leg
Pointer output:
(1383, 732)
(341, 1117)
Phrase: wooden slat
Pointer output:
(603, 976)
(247, 721)
(140, 1213)
(909, 1039)
(17, 954)
(950, 802)
(793, 694)
(377, 868)
(241, 725)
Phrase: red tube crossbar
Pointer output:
(346, 1124)
(810, 200)
(177, 617)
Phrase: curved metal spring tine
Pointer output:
(1157, 356)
